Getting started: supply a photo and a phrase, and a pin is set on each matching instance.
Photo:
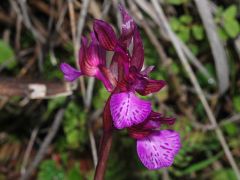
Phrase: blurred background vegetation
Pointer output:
(51, 129)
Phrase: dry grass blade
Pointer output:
(81, 20)
(196, 62)
(216, 46)
(27, 22)
(29, 149)
(48, 139)
(196, 85)
(73, 29)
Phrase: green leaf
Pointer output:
(73, 138)
(100, 97)
(53, 104)
(230, 12)
(231, 26)
(74, 173)
(186, 19)
(194, 48)
(222, 34)
(175, 68)
(175, 24)
(6, 55)
(236, 103)
(198, 32)
(223, 174)
(202, 79)
(74, 126)
(201, 165)
(176, 2)
(231, 129)
(50, 171)
(184, 33)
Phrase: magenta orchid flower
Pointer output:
(124, 78)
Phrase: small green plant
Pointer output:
(188, 31)
(229, 26)
(177, 2)
(49, 170)
(7, 57)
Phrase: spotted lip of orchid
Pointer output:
(124, 78)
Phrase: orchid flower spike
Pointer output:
(124, 78)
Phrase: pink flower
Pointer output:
(123, 79)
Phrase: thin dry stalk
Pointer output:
(28, 150)
(218, 51)
(73, 29)
(47, 140)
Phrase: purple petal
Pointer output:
(114, 66)
(152, 124)
(138, 133)
(108, 74)
(94, 38)
(146, 86)
(96, 55)
(107, 78)
(119, 65)
(105, 34)
(127, 27)
(128, 110)
(70, 73)
(91, 57)
(157, 150)
(157, 117)
(146, 71)
(82, 52)
(138, 51)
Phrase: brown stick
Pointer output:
(32, 88)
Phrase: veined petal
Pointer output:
(143, 129)
(108, 75)
(158, 150)
(147, 70)
(128, 110)
(114, 65)
(70, 73)
(152, 124)
(83, 49)
(138, 134)
(96, 55)
(128, 26)
(138, 51)
(119, 65)
(157, 117)
(105, 34)
(146, 86)
(91, 57)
